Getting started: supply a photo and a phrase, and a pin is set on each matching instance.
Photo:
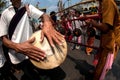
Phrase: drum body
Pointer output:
(55, 56)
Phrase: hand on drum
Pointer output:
(31, 51)
(52, 35)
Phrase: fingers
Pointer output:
(50, 41)
(36, 58)
(42, 36)
(55, 38)
(59, 34)
(31, 51)
(36, 53)
(58, 39)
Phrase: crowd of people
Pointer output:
(16, 48)
(73, 26)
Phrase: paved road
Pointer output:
(78, 65)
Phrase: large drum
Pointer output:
(55, 56)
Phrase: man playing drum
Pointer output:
(19, 44)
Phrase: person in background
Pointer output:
(53, 17)
(77, 30)
(91, 32)
(110, 37)
(20, 46)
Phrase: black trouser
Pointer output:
(52, 74)
(6, 72)
(33, 73)
(29, 70)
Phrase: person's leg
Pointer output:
(52, 74)
(57, 74)
(29, 70)
(79, 42)
(6, 72)
(101, 64)
(116, 51)
(1, 73)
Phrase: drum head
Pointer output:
(55, 56)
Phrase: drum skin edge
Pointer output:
(55, 56)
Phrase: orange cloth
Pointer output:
(90, 42)
(110, 15)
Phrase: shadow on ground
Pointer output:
(84, 68)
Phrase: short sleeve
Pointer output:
(34, 12)
(3, 25)
(108, 13)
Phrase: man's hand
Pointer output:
(52, 35)
(92, 22)
(31, 51)
(25, 48)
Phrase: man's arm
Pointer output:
(50, 32)
(48, 28)
(26, 48)
(101, 26)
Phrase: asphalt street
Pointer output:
(78, 66)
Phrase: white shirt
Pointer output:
(2, 57)
(76, 24)
(22, 32)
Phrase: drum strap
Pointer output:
(15, 20)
